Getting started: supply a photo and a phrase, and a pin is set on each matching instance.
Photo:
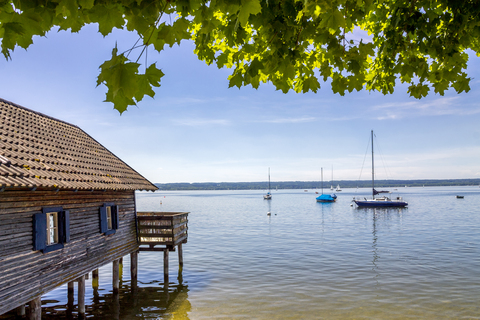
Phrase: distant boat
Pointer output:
(460, 197)
(305, 190)
(268, 196)
(338, 188)
(326, 197)
(382, 201)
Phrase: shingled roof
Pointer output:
(39, 151)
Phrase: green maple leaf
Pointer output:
(463, 84)
(248, 7)
(119, 100)
(108, 17)
(154, 75)
(11, 32)
(235, 80)
(144, 88)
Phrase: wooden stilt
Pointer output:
(95, 278)
(81, 297)
(180, 256)
(134, 267)
(70, 299)
(71, 288)
(116, 276)
(21, 311)
(165, 265)
(35, 309)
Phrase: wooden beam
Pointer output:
(21, 311)
(95, 278)
(81, 297)
(116, 275)
(134, 267)
(165, 266)
(180, 256)
(35, 309)
(71, 288)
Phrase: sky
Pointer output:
(196, 129)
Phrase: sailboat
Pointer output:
(381, 201)
(338, 188)
(268, 196)
(326, 197)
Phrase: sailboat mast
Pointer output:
(373, 172)
(322, 180)
(268, 179)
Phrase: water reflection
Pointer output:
(152, 300)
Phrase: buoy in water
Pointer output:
(269, 213)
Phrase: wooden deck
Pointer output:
(158, 231)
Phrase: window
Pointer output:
(108, 218)
(51, 229)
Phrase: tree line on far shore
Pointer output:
(314, 184)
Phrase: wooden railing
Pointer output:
(167, 229)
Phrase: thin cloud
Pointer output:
(438, 107)
(289, 120)
(201, 122)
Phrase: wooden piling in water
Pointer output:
(134, 267)
(81, 297)
(180, 256)
(21, 311)
(35, 312)
(165, 265)
(116, 275)
(95, 278)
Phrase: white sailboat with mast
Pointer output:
(268, 196)
(380, 202)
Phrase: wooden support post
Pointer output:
(70, 298)
(35, 309)
(165, 265)
(116, 276)
(180, 256)
(71, 288)
(95, 278)
(81, 297)
(134, 267)
(21, 311)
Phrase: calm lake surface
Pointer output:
(307, 260)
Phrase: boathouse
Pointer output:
(67, 206)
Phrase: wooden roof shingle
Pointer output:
(39, 151)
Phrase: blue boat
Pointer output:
(380, 202)
(326, 197)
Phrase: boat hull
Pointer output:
(380, 204)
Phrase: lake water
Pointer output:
(307, 260)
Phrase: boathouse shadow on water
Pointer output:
(148, 301)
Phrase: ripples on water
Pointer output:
(307, 260)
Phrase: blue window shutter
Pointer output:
(103, 219)
(115, 217)
(39, 231)
(66, 226)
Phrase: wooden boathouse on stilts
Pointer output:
(67, 207)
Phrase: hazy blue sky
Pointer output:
(198, 130)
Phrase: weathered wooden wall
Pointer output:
(26, 274)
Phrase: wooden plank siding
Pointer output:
(26, 274)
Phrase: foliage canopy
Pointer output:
(294, 44)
